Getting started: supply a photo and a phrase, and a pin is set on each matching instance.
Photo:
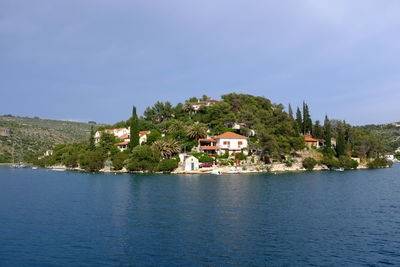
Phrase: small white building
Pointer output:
(389, 156)
(48, 153)
(197, 105)
(231, 143)
(189, 162)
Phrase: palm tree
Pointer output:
(167, 147)
(196, 131)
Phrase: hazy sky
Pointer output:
(92, 60)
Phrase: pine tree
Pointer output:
(299, 120)
(92, 146)
(134, 136)
(327, 132)
(291, 112)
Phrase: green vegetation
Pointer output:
(31, 137)
(309, 164)
(379, 163)
(274, 136)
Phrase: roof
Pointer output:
(125, 136)
(141, 133)
(207, 140)
(122, 143)
(230, 135)
(212, 100)
(310, 139)
(210, 147)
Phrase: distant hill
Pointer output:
(389, 133)
(34, 135)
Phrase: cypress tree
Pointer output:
(92, 146)
(340, 143)
(299, 120)
(307, 122)
(291, 112)
(134, 135)
(317, 130)
(327, 133)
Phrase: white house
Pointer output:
(389, 156)
(189, 162)
(231, 143)
(126, 139)
(117, 132)
(48, 153)
(197, 105)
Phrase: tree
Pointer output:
(290, 112)
(92, 161)
(299, 120)
(167, 147)
(92, 145)
(327, 133)
(340, 143)
(144, 158)
(196, 131)
(309, 164)
(317, 130)
(134, 131)
(168, 165)
(307, 122)
(118, 160)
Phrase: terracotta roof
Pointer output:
(141, 133)
(207, 140)
(210, 147)
(212, 100)
(310, 139)
(125, 136)
(230, 135)
(122, 143)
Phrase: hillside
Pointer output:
(34, 135)
(390, 133)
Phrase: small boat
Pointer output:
(215, 172)
(34, 168)
(338, 169)
(59, 169)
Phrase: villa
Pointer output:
(124, 135)
(197, 105)
(228, 142)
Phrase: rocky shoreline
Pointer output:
(268, 168)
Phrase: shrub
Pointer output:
(92, 161)
(330, 161)
(240, 156)
(354, 164)
(144, 158)
(204, 159)
(118, 160)
(168, 165)
(309, 164)
(223, 156)
(379, 163)
(289, 162)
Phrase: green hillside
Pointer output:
(34, 135)
(389, 133)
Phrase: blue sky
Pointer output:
(93, 60)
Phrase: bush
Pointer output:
(144, 158)
(204, 159)
(92, 161)
(330, 161)
(289, 162)
(240, 156)
(168, 165)
(309, 164)
(223, 156)
(118, 160)
(354, 164)
(379, 163)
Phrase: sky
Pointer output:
(93, 59)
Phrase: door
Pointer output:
(192, 166)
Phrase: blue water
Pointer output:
(321, 218)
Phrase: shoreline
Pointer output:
(208, 171)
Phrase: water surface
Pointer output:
(320, 218)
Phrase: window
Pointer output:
(240, 143)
